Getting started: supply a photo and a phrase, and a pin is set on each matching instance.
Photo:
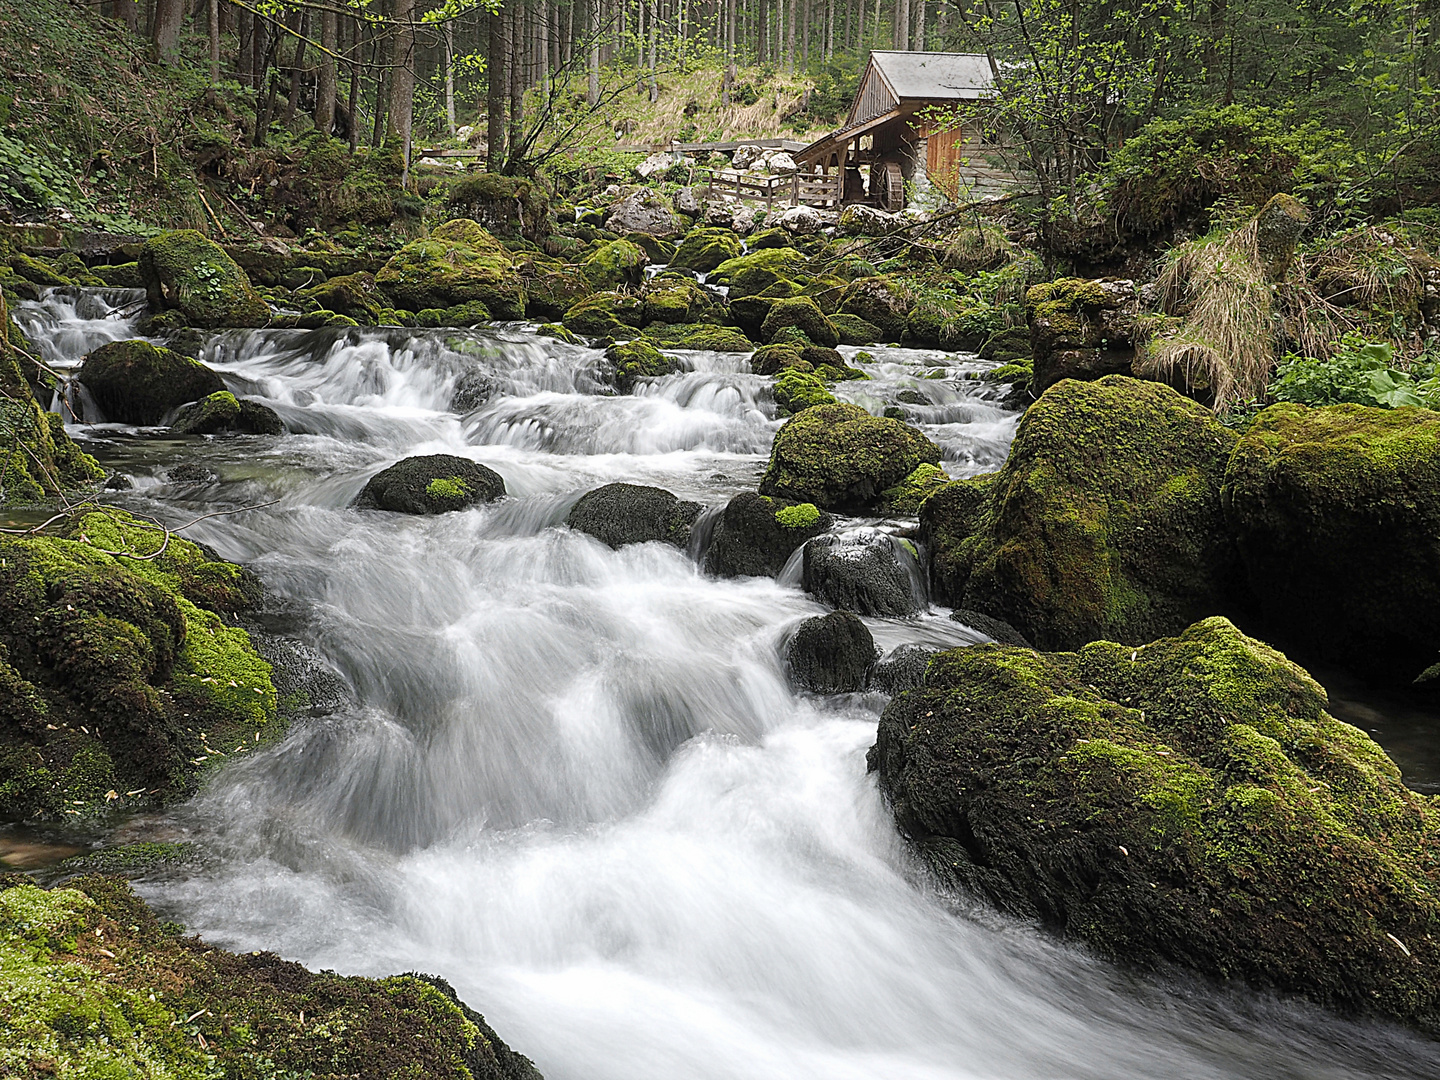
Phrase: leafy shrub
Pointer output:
(1359, 373)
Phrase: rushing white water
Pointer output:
(575, 782)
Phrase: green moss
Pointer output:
(135, 382)
(799, 516)
(606, 314)
(880, 301)
(1189, 801)
(447, 487)
(703, 249)
(635, 360)
(752, 274)
(185, 271)
(558, 332)
(854, 330)
(1055, 300)
(619, 262)
(460, 262)
(841, 457)
(471, 313)
(906, 496)
(699, 336)
(213, 413)
(795, 390)
(802, 313)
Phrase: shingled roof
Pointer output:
(936, 76)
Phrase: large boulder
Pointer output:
(620, 514)
(551, 289)
(802, 313)
(605, 314)
(757, 535)
(354, 295)
(676, 299)
(644, 211)
(704, 249)
(839, 457)
(879, 301)
(632, 361)
(872, 575)
(1336, 512)
(620, 262)
(430, 484)
(504, 206)
(135, 382)
(460, 262)
(184, 271)
(1187, 802)
(752, 274)
(1105, 521)
(1081, 329)
(222, 411)
(831, 654)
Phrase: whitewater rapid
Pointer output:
(575, 781)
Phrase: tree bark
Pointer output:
(790, 36)
(244, 34)
(357, 56)
(517, 88)
(592, 89)
(497, 83)
(165, 26)
(214, 42)
(919, 25)
(301, 23)
(325, 81)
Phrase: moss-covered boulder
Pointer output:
(617, 263)
(96, 986)
(457, 263)
(121, 276)
(795, 390)
(676, 299)
(122, 680)
(803, 313)
(506, 206)
(222, 412)
(704, 249)
(703, 336)
(771, 360)
(854, 330)
(1336, 512)
(906, 496)
(1105, 521)
(1081, 328)
(757, 535)
(866, 574)
(880, 301)
(632, 361)
(605, 314)
(831, 654)
(620, 514)
(839, 457)
(752, 274)
(186, 272)
(354, 295)
(931, 320)
(134, 382)
(1188, 802)
(551, 289)
(431, 484)
(471, 313)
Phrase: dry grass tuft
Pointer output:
(1223, 339)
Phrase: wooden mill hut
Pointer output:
(889, 130)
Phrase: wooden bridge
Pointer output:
(797, 189)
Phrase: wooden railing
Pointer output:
(808, 189)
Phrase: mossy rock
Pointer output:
(769, 238)
(37, 272)
(702, 336)
(839, 457)
(605, 314)
(617, 263)
(472, 313)
(796, 390)
(558, 332)
(431, 484)
(355, 295)
(505, 205)
(880, 301)
(186, 272)
(676, 300)
(134, 382)
(854, 330)
(636, 360)
(906, 496)
(1336, 512)
(124, 681)
(121, 276)
(550, 290)
(800, 312)
(771, 360)
(753, 273)
(1105, 521)
(831, 654)
(929, 319)
(704, 249)
(96, 986)
(620, 514)
(757, 535)
(1187, 802)
(221, 412)
(458, 263)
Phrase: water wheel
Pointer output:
(891, 187)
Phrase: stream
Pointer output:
(575, 781)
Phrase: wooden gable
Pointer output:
(874, 98)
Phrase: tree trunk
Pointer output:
(382, 55)
(402, 79)
(497, 84)
(165, 26)
(920, 25)
(214, 42)
(300, 21)
(449, 42)
(244, 32)
(357, 55)
(129, 14)
(805, 20)
(517, 88)
(325, 81)
(790, 37)
(592, 89)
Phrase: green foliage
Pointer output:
(1360, 372)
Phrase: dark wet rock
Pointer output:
(879, 301)
(757, 535)
(997, 630)
(1105, 521)
(1187, 802)
(1081, 329)
(831, 654)
(901, 669)
(305, 682)
(135, 382)
(474, 389)
(861, 574)
(192, 472)
(1336, 513)
(431, 484)
(841, 458)
(620, 514)
(222, 412)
